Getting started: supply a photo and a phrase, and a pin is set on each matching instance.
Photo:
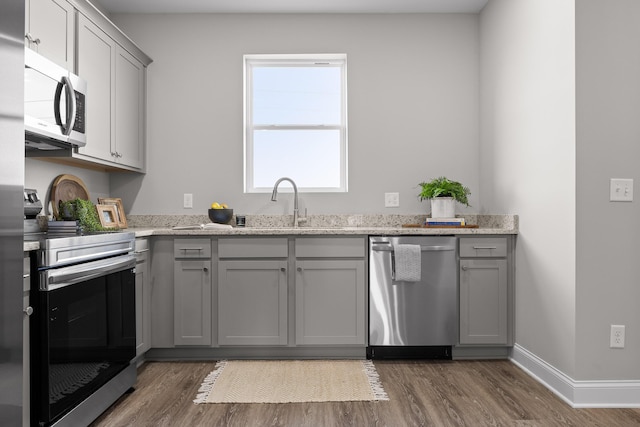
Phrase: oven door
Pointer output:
(86, 333)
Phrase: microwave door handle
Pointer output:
(71, 105)
(56, 104)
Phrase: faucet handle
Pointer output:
(302, 219)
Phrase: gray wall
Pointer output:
(40, 175)
(413, 107)
(608, 234)
(559, 112)
(528, 162)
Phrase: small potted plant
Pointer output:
(443, 194)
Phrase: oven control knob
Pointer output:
(28, 311)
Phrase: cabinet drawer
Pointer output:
(478, 247)
(253, 248)
(330, 247)
(192, 248)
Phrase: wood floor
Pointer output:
(422, 393)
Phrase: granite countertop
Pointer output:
(315, 225)
(355, 225)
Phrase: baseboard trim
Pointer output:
(578, 394)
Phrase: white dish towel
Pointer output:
(408, 263)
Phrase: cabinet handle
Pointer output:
(30, 39)
(28, 311)
(191, 249)
(283, 269)
(141, 251)
(464, 268)
(205, 269)
(299, 268)
(485, 247)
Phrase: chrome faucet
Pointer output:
(274, 197)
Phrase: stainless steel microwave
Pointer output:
(55, 100)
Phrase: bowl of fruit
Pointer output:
(220, 213)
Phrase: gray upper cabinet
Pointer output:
(115, 100)
(128, 144)
(330, 288)
(49, 26)
(96, 64)
(484, 291)
(192, 292)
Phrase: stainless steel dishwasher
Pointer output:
(413, 319)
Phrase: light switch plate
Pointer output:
(621, 190)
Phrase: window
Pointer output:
(295, 113)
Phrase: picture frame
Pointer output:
(121, 219)
(108, 215)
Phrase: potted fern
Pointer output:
(444, 193)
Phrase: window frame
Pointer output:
(303, 60)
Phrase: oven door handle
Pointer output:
(60, 277)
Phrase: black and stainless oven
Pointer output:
(83, 328)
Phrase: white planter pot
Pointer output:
(443, 207)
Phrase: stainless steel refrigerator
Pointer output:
(12, 33)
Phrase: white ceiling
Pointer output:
(292, 6)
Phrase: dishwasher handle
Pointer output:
(422, 248)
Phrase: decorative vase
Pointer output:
(443, 207)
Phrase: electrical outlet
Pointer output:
(617, 336)
(188, 200)
(391, 200)
(621, 190)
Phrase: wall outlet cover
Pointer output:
(391, 200)
(188, 201)
(616, 339)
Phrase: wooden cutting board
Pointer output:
(64, 188)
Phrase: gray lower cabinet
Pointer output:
(252, 291)
(330, 287)
(484, 291)
(330, 302)
(162, 291)
(143, 297)
(252, 302)
(192, 292)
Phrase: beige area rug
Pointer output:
(288, 381)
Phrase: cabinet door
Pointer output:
(330, 302)
(50, 30)
(143, 298)
(483, 301)
(96, 64)
(129, 110)
(192, 299)
(162, 292)
(252, 302)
